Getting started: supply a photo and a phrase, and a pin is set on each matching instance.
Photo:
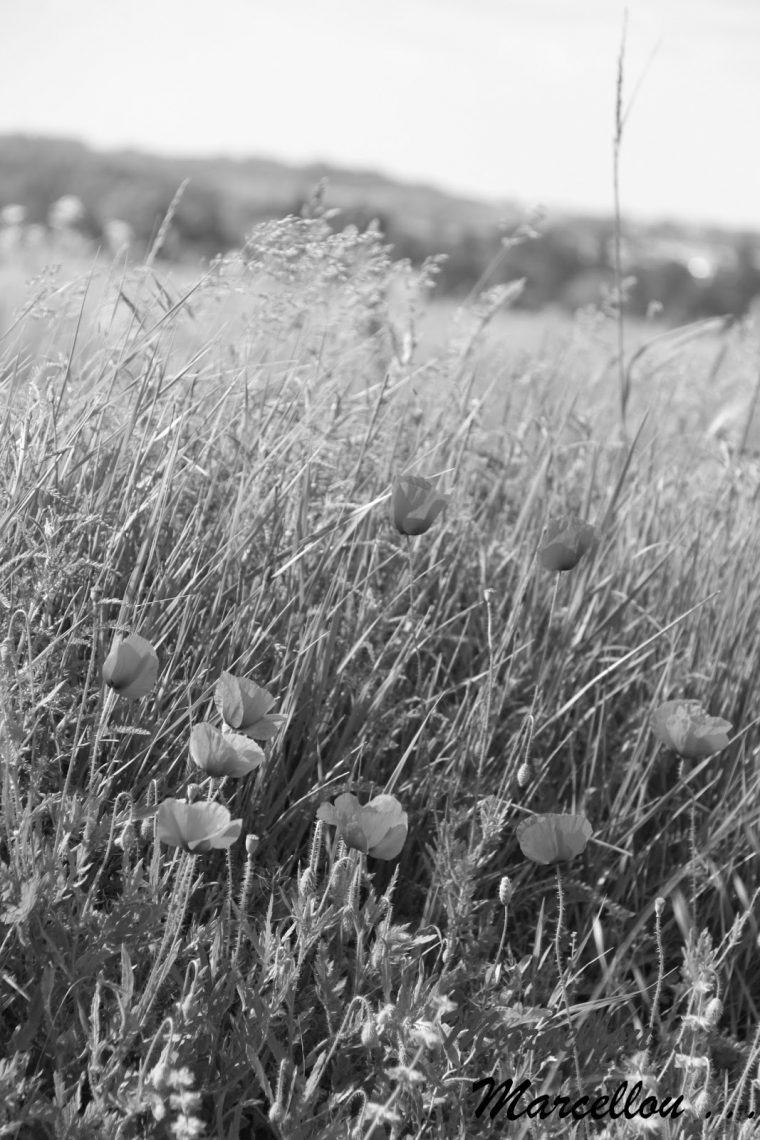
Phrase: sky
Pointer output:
(509, 100)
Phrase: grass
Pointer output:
(211, 469)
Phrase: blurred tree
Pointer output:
(566, 264)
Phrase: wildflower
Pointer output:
(378, 829)
(131, 668)
(196, 827)
(553, 838)
(685, 727)
(566, 540)
(223, 755)
(415, 504)
(244, 706)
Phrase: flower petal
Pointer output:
(229, 700)
(554, 837)
(168, 823)
(390, 846)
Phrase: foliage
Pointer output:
(567, 263)
(229, 499)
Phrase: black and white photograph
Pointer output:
(379, 546)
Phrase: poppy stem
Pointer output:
(570, 1028)
(228, 902)
(175, 918)
(531, 715)
(658, 908)
(500, 951)
(96, 633)
(95, 795)
(418, 661)
(546, 640)
(693, 861)
(487, 717)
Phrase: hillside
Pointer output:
(691, 271)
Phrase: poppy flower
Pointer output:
(131, 668)
(685, 727)
(244, 706)
(415, 504)
(378, 829)
(198, 827)
(221, 754)
(553, 838)
(566, 540)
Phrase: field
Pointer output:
(208, 461)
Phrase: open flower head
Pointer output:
(197, 827)
(566, 540)
(553, 838)
(685, 727)
(378, 829)
(131, 668)
(244, 706)
(223, 754)
(415, 504)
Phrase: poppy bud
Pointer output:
(566, 540)
(415, 504)
(523, 775)
(714, 1011)
(131, 668)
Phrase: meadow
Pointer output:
(211, 462)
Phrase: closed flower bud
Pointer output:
(659, 905)
(713, 1011)
(131, 668)
(506, 890)
(127, 838)
(415, 504)
(701, 1103)
(566, 540)
(386, 1018)
(523, 775)
(369, 1036)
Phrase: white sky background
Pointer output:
(503, 99)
